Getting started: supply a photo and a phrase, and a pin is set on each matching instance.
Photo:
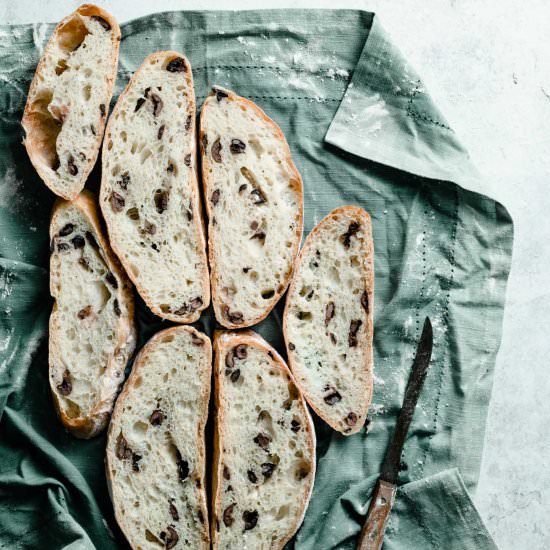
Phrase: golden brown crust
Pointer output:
(352, 212)
(138, 366)
(297, 185)
(96, 422)
(197, 207)
(31, 121)
(224, 340)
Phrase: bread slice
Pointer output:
(328, 323)
(149, 190)
(254, 200)
(92, 332)
(155, 449)
(264, 446)
(69, 98)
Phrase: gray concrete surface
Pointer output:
(487, 64)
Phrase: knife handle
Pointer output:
(372, 535)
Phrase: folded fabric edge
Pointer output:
(387, 116)
(445, 498)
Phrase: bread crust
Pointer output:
(224, 340)
(32, 126)
(95, 423)
(197, 220)
(137, 368)
(356, 213)
(297, 186)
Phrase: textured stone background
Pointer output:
(487, 65)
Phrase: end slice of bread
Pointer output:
(328, 319)
(264, 446)
(149, 190)
(155, 450)
(69, 97)
(92, 332)
(254, 200)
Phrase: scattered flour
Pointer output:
(40, 36)
(245, 42)
(337, 73)
(6, 280)
(376, 409)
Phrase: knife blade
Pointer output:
(372, 535)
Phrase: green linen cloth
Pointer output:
(362, 130)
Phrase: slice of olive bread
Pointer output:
(69, 98)
(328, 323)
(264, 446)
(149, 190)
(155, 451)
(92, 332)
(254, 200)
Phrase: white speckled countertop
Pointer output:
(487, 65)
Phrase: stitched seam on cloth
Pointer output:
(308, 98)
(319, 72)
(413, 113)
(424, 272)
(201, 98)
(445, 317)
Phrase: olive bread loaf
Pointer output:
(92, 332)
(149, 190)
(264, 446)
(69, 99)
(254, 200)
(155, 450)
(328, 323)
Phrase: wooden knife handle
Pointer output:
(372, 535)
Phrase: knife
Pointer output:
(383, 496)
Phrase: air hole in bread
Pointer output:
(110, 145)
(71, 35)
(282, 512)
(256, 147)
(72, 409)
(168, 339)
(138, 381)
(139, 429)
(87, 92)
(305, 290)
(135, 270)
(304, 315)
(145, 154)
(61, 67)
(302, 470)
(150, 537)
(45, 129)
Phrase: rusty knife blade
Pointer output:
(390, 466)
